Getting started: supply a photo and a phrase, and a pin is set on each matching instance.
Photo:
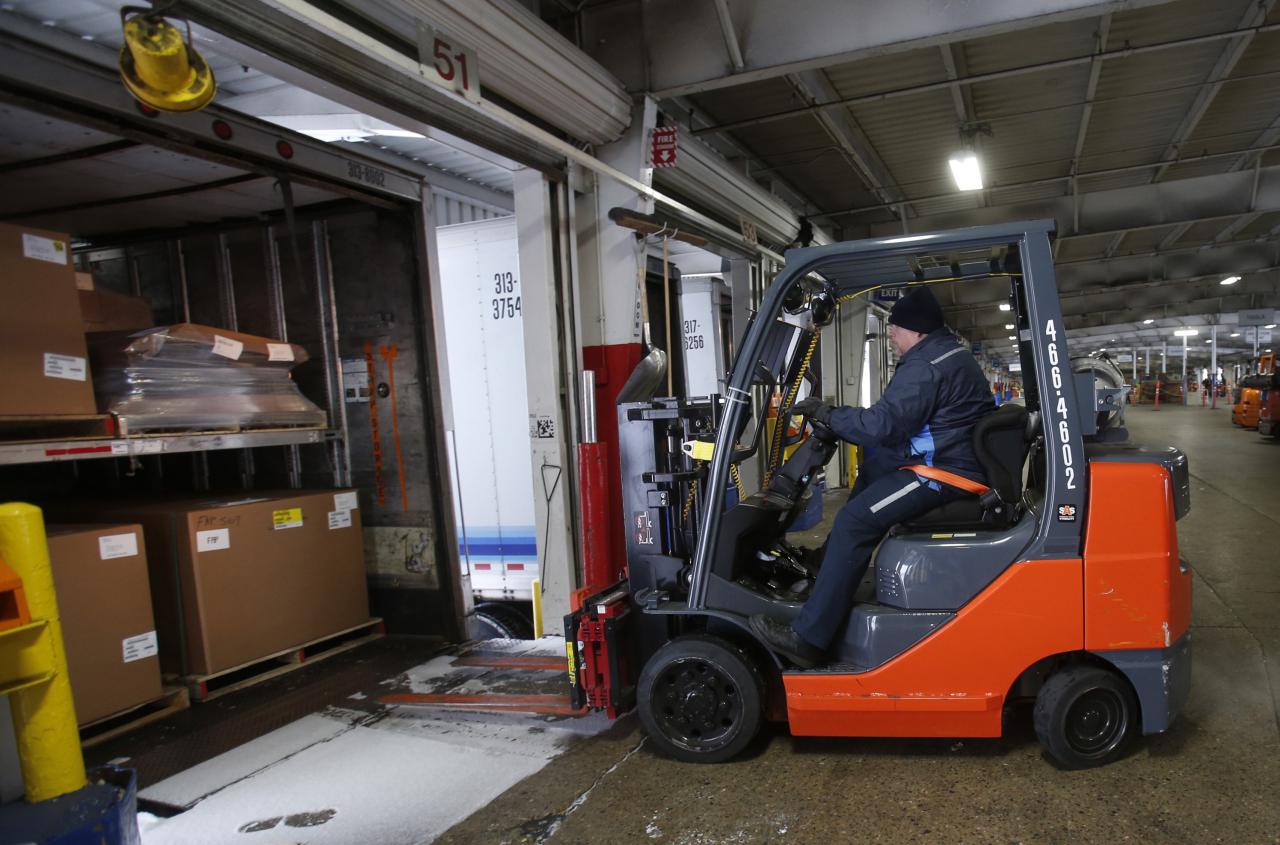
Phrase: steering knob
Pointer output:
(822, 431)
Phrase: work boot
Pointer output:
(782, 638)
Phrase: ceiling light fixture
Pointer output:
(1186, 333)
(1013, 337)
(967, 171)
(1148, 321)
(1004, 306)
(1229, 280)
(1235, 334)
(1269, 326)
(1008, 326)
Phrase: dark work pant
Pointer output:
(876, 504)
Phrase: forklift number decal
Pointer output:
(1060, 407)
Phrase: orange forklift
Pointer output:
(1247, 409)
(1061, 584)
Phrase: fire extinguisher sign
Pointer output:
(664, 146)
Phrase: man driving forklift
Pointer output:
(925, 417)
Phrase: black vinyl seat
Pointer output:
(1001, 441)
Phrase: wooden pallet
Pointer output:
(172, 700)
(217, 684)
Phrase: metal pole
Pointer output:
(1184, 369)
(1147, 366)
(1135, 365)
(588, 408)
(1164, 357)
(1213, 366)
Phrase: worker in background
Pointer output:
(926, 416)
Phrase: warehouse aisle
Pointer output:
(369, 770)
(1214, 777)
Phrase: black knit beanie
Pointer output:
(917, 311)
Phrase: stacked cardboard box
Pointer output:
(243, 577)
(104, 601)
(43, 367)
(108, 311)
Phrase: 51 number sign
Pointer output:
(448, 64)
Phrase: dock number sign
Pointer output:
(448, 64)
(664, 146)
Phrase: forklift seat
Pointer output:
(1001, 440)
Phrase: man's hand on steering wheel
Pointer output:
(814, 409)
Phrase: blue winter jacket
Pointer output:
(928, 411)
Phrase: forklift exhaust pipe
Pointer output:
(593, 492)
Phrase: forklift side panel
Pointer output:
(1160, 676)
(1137, 591)
(952, 683)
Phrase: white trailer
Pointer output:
(492, 469)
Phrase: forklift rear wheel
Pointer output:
(701, 699)
(1083, 716)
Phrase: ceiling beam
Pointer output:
(1050, 180)
(1265, 139)
(953, 63)
(730, 35)
(729, 146)
(1147, 206)
(71, 155)
(844, 130)
(179, 191)
(1091, 88)
(1254, 16)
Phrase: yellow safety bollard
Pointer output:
(537, 608)
(44, 714)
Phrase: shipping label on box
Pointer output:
(213, 540)
(118, 545)
(286, 518)
(68, 367)
(339, 519)
(227, 348)
(139, 647)
(44, 249)
(346, 501)
(279, 352)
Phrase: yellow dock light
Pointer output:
(160, 68)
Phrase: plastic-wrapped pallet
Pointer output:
(190, 377)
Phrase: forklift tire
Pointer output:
(701, 699)
(1083, 716)
(494, 621)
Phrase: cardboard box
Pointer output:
(84, 281)
(104, 600)
(238, 578)
(108, 311)
(44, 371)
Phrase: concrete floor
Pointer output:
(1215, 777)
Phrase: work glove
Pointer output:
(814, 409)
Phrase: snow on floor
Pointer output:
(400, 774)
(186, 788)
